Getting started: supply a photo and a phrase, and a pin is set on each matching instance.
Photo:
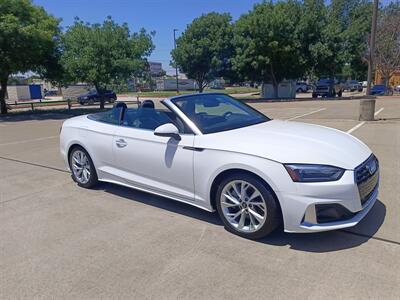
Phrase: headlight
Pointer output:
(313, 173)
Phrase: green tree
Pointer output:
(343, 38)
(103, 54)
(28, 39)
(268, 45)
(203, 51)
(387, 46)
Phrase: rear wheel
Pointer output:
(247, 207)
(82, 167)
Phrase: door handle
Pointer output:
(121, 143)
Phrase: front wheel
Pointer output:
(82, 167)
(247, 207)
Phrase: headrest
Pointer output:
(147, 104)
(120, 105)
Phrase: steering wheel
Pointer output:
(227, 115)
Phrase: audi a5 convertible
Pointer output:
(217, 153)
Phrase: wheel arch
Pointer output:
(221, 175)
(74, 145)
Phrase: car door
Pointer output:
(98, 137)
(158, 164)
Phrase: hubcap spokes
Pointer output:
(80, 166)
(243, 206)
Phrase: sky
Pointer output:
(162, 16)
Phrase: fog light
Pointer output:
(332, 213)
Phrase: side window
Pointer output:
(149, 119)
(111, 117)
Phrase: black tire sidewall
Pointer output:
(93, 180)
(273, 210)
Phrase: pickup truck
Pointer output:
(325, 88)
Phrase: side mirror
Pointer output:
(168, 130)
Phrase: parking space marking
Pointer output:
(29, 141)
(379, 111)
(363, 122)
(303, 115)
(356, 127)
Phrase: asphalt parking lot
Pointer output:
(62, 241)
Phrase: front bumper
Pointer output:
(299, 207)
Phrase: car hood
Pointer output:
(291, 142)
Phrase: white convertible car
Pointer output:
(216, 153)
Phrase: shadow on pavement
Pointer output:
(315, 242)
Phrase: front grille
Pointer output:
(367, 177)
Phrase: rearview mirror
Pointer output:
(168, 130)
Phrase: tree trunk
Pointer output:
(3, 91)
(275, 83)
(100, 92)
(276, 89)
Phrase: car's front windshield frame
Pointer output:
(261, 117)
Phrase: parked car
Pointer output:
(50, 93)
(353, 85)
(397, 88)
(301, 87)
(216, 153)
(93, 96)
(328, 88)
(381, 90)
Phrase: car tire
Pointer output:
(256, 216)
(82, 168)
(314, 95)
(339, 94)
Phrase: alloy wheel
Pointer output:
(80, 166)
(243, 206)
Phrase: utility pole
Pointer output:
(176, 65)
(367, 106)
(372, 45)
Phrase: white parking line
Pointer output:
(362, 123)
(303, 115)
(29, 141)
(356, 127)
(379, 111)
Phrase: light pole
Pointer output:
(367, 106)
(176, 65)
(372, 45)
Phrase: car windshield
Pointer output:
(216, 112)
